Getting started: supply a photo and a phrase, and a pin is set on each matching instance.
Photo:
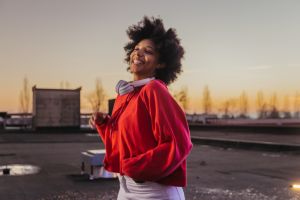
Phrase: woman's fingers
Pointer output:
(96, 118)
(99, 117)
(92, 122)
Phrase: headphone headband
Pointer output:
(124, 87)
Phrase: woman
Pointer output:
(147, 138)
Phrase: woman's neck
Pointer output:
(137, 78)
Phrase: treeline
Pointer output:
(235, 107)
(239, 107)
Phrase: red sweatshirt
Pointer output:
(147, 138)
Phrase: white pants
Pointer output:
(130, 190)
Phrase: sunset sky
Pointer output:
(231, 45)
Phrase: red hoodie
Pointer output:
(147, 138)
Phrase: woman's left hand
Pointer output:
(97, 118)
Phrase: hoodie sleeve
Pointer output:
(111, 159)
(171, 131)
(101, 128)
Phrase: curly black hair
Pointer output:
(166, 42)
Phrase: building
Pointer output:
(56, 108)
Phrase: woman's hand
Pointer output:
(97, 118)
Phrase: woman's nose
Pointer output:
(140, 52)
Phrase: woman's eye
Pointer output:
(148, 51)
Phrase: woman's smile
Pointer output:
(138, 62)
(144, 60)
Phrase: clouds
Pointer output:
(235, 68)
(259, 68)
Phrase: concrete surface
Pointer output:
(213, 172)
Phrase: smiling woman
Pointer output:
(147, 138)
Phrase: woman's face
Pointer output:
(144, 60)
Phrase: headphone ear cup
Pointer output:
(124, 87)
(119, 85)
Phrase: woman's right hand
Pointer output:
(97, 118)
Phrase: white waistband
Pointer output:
(147, 190)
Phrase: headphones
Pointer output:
(124, 87)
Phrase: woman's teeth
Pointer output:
(137, 62)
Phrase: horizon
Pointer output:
(290, 104)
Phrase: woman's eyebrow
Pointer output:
(148, 46)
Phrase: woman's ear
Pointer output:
(161, 65)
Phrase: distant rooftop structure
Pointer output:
(56, 108)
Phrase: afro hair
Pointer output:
(167, 45)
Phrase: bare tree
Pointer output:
(67, 85)
(228, 108)
(24, 97)
(97, 97)
(286, 108)
(207, 102)
(297, 105)
(274, 101)
(64, 85)
(261, 105)
(225, 109)
(274, 106)
(243, 105)
(182, 97)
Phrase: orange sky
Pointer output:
(230, 46)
